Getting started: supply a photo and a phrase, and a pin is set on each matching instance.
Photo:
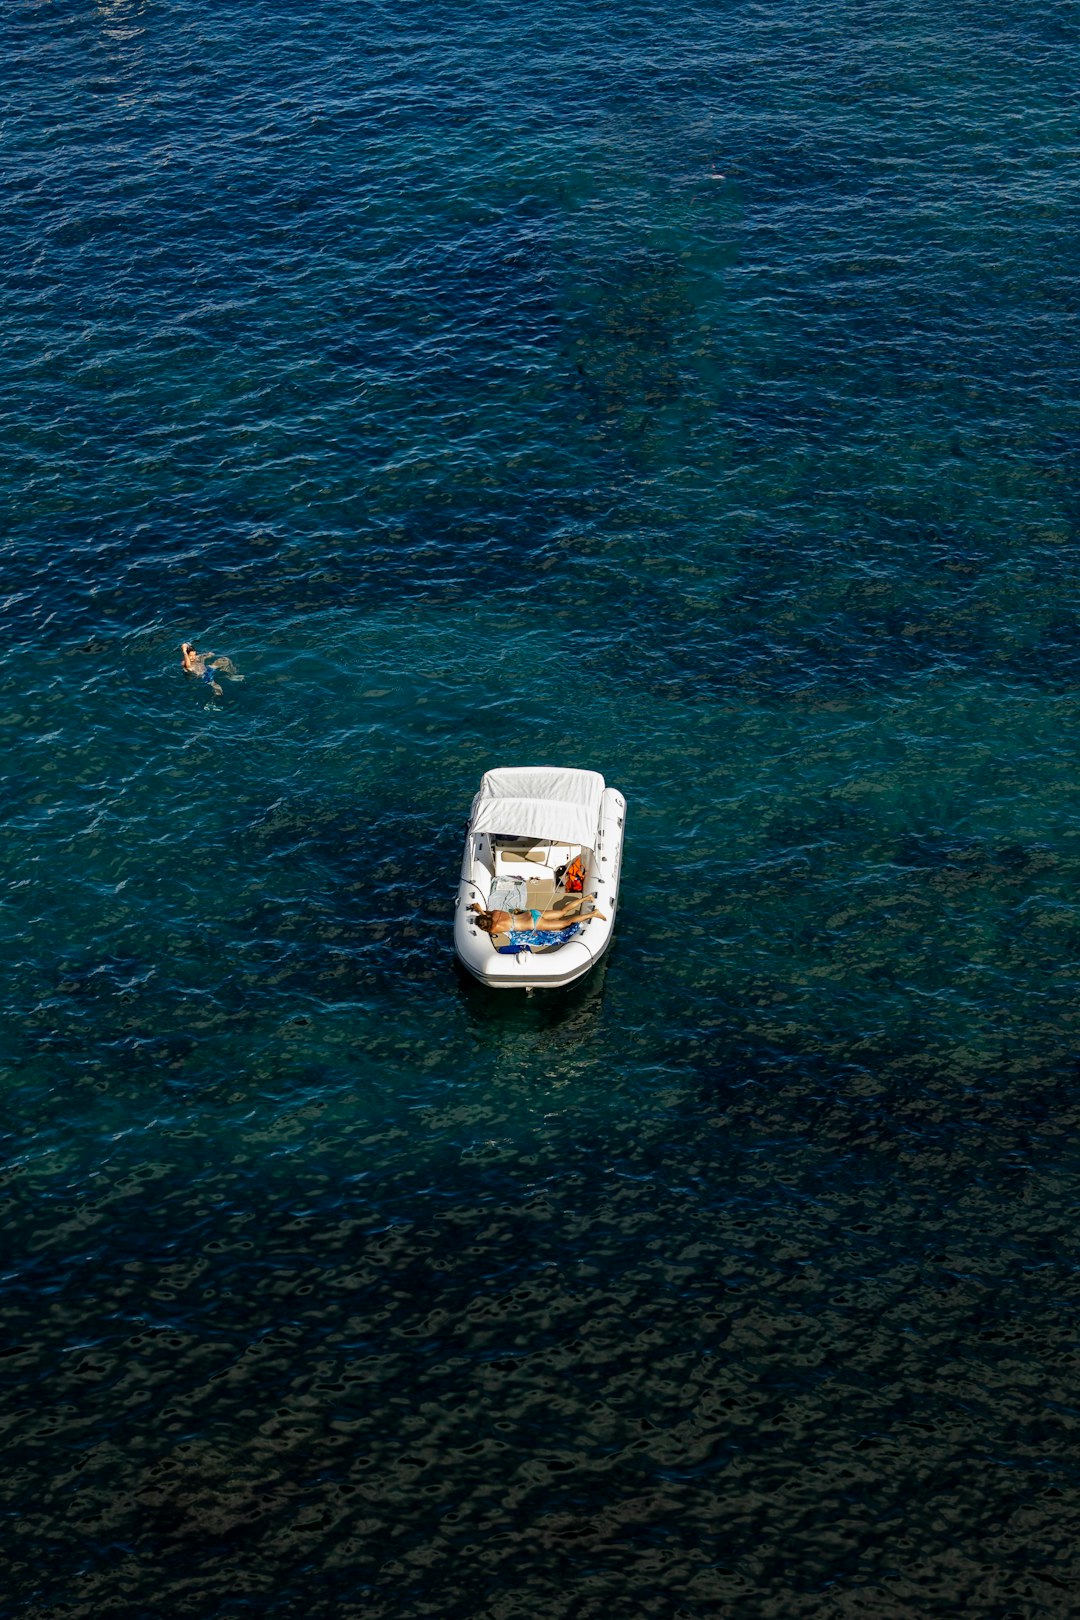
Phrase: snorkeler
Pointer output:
(205, 667)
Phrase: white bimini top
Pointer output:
(539, 801)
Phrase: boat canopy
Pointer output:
(539, 801)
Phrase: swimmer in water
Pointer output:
(205, 667)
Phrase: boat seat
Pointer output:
(527, 850)
(541, 891)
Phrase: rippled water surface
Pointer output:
(684, 392)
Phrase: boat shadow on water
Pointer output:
(574, 1010)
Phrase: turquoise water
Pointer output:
(688, 394)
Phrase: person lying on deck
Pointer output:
(552, 922)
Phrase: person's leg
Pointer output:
(575, 904)
(555, 921)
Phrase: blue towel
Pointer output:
(521, 939)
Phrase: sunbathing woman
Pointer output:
(552, 922)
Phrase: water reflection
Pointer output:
(121, 11)
(119, 19)
(505, 1020)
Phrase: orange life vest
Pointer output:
(574, 876)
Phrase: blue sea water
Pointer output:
(684, 392)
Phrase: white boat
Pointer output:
(526, 827)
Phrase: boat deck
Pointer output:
(534, 864)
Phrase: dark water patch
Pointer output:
(947, 860)
(623, 346)
(579, 1354)
(906, 1107)
(436, 546)
(864, 636)
(379, 884)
